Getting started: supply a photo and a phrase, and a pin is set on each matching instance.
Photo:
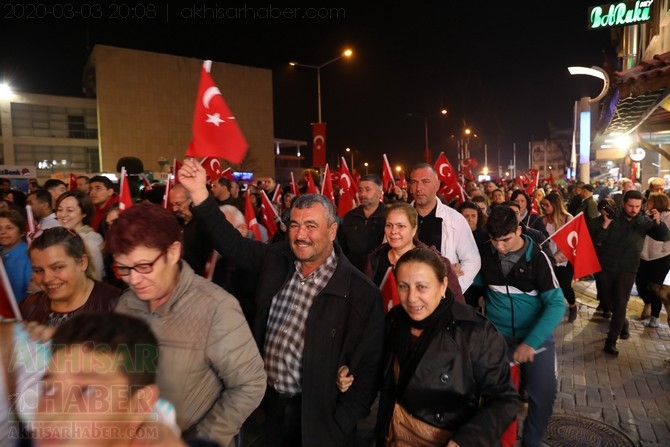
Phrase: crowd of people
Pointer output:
(410, 312)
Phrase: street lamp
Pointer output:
(366, 167)
(347, 53)
(428, 157)
(352, 157)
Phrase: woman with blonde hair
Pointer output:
(555, 216)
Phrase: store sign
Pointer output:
(620, 14)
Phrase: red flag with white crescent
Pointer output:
(402, 183)
(278, 195)
(250, 218)
(216, 132)
(212, 167)
(574, 241)
(450, 188)
(327, 185)
(347, 181)
(534, 177)
(269, 215)
(387, 175)
(125, 199)
(389, 288)
(318, 144)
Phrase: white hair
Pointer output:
(233, 215)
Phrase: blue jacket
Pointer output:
(528, 303)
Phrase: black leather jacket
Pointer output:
(466, 362)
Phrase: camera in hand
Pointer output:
(609, 211)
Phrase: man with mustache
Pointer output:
(315, 312)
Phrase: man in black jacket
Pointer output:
(315, 312)
(621, 237)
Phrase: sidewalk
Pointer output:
(605, 400)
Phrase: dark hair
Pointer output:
(633, 194)
(374, 178)
(501, 222)
(85, 177)
(521, 192)
(308, 200)
(224, 182)
(473, 206)
(19, 197)
(109, 184)
(84, 202)
(15, 218)
(52, 183)
(128, 339)
(144, 224)
(424, 256)
(71, 241)
(41, 196)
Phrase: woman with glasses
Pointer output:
(61, 269)
(74, 211)
(555, 216)
(210, 366)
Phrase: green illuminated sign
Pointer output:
(620, 14)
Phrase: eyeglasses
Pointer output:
(144, 268)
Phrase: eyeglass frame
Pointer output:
(142, 265)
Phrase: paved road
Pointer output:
(630, 392)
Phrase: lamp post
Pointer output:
(352, 157)
(366, 167)
(346, 53)
(583, 111)
(428, 157)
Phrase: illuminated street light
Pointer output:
(352, 157)
(5, 91)
(428, 158)
(366, 167)
(347, 53)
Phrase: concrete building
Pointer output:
(138, 104)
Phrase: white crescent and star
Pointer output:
(215, 166)
(214, 118)
(316, 141)
(346, 178)
(441, 170)
(573, 240)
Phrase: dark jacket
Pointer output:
(621, 243)
(344, 327)
(359, 235)
(373, 269)
(462, 382)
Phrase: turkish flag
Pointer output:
(125, 199)
(389, 288)
(269, 215)
(467, 165)
(402, 183)
(176, 166)
(212, 166)
(311, 187)
(347, 200)
(450, 188)
(278, 195)
(228, 173)
(166, 194)
(387, 175)
(294, 186)
(574, 240)
(8, 305)
(327, 186)
(250, 218)
(73, 182)
(318, 144)
(215, 129)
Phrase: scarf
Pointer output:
(408, 358)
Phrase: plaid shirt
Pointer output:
(284, 339)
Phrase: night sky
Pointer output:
(497, 67)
